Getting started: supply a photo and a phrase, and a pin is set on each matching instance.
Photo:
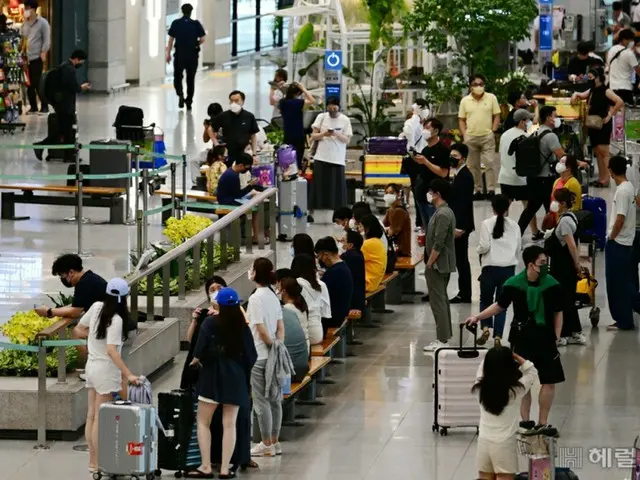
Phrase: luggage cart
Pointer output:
(630, 133)
(590, 281)
(151, 139)
(377, 172)
(540, 451)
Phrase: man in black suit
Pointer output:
(462, 206)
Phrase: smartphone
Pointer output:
(330, 130)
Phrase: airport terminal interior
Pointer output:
(376, 416)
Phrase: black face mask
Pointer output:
(66, 282)
(454, 162)
(78, 66)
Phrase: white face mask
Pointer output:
(251, 274)
(27, 13)
(426, 134)
(213, 297)
(554, 207)
(529, 125)
(477, 90)
(429, 197)
(424, 113)
(560, 168)
(235, 107)
(557, 122)
(292, 252)
(631, 45)
(352, 224)
(389, 198)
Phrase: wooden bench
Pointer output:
(107, 197)
(353, 317)
(304, 392)
(406, 284)
(375, 301)
(341, 333)
(324, 349)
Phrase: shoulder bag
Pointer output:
(594, 122)
(314, 145)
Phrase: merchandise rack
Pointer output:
(12, 81)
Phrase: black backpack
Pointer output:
(50, 85)
(527, 150)
(552, 244)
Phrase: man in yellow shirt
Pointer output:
(479, 119)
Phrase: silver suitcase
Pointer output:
(292, 205)
(127, 440)
(455, 370)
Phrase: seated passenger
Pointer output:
(302, 244)
(343, 222)
(315, 294)
(229, 191)
(375, 255)
(295, 315)
(354, 259)
(338, 279)
(397, 220)
(215, 162)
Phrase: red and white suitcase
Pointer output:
(454, 375)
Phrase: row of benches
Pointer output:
(334, 346)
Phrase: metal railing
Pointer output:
(227, 230)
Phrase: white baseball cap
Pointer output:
(118, 287)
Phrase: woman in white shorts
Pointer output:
(502, 380)
(105, 323)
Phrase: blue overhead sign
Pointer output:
(546, 25)
(333, 60)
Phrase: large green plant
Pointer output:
(382, 15)
(473, 31)
(371, 114)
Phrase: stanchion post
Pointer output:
(184, 184)
(139, 219)
(145, 205)
(62, 358)
(79, 215)
(136, 157)
(173, 189)
(42, 398)
(130, 181)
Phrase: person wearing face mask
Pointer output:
(566, 168)
(604, 103)
(342, 218)
(332, 132)
(479, 119)
(295, 315)
(431, 163)
(518, 101)
(564, 262)
(36, 39)
(397, 220)
(315, 293)
(462, 206)
(511, 185)
(354, 259)
(238, 126)
(337, 277)
(88, 288)
(302, 244)
(291, 108)
(61, 87)
(440, 260)
(536, 326)
(621, 65)
(540, 187)
(416, 141)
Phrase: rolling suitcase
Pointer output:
(387, 146)
(53, 131)
(127, 440)
(105, 162)
(176, 450)
(597, 206)
(454, 374)
(292, 203)
(71, 170)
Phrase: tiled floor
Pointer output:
(377, 420)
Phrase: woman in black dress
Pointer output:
(226, 352)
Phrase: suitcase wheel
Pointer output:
(434, 428)
(178, 474)
(443, 432)
(97, 476)
(594, 316)
(150, 476)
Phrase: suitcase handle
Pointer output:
(471, 352)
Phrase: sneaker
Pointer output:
(261, 450)
(536, 237)
(562, 342)
(497, 341)
(459, 300)
(83, 377)
(433, 346)
(180, 102)
(526, 426)
(310, 219)
(478, 196)
(278, 448)
(577, 339)
(544, 430)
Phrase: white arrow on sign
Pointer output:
(333, 60)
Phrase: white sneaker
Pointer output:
(261, 450)
(433, 346)
(577, 339)
(562, 342)
(278, 448)
(82, 376)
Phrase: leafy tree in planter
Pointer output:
(478, 29)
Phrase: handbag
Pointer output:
(314, 145)
(594, 122)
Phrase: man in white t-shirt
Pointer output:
(621, 64)
(619, 248)
(332, 132)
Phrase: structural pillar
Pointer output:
(107, 46)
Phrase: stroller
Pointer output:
(129, 125)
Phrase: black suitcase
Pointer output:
(105, 162)
(128, 124)
(71, 170)
(177, 414)
(53, 131)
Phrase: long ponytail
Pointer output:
(294, 292)
(500, 204)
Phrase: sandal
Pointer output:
(482, 339)
(228, 475)
(93, 469)
(197, 473)
(598, 184)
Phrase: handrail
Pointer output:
(217, 226)
(54, 329)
